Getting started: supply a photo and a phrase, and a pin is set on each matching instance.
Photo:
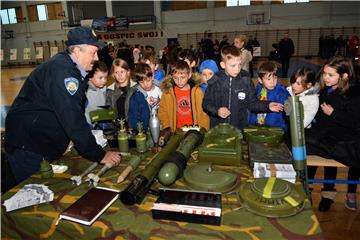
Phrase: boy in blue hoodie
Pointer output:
(146, 97)
(268, 89)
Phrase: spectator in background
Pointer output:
(340, 44)
(164, 59)
(124, 52)
(104, 55)
(217, 57)
(246, 57)
(353, 45)
(250, 47)
(136, 54)
(151, 59)
(189, 57)
(208, 47)
(172, 56)
(286, 50)
(256, 42)
(224, 42)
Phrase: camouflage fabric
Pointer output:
(135, 222)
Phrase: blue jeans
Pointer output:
(23, 163)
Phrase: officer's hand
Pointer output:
(111, 157)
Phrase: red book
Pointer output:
(90, 206)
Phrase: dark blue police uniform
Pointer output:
(46, 115)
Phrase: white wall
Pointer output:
(283, 16)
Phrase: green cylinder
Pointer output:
(154, 167)
(123, 141)
(297, 133)
(190, 142)
(138, 188)
(135, 161)
(141, 143)
(168, 174)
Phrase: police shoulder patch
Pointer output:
(71, 84)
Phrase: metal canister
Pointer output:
(123, 141)
(141, 142)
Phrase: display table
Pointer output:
(135, 222)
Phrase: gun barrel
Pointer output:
(137, 189)
(175, 165)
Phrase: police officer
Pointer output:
(48, 112)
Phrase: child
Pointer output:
(146, 97)
(335, 132)
(151, 60)
(270, 90)
(118, 94)
(188, 56)
(230, 93)
(207, 69)
(303, 85)
(181, 102)
(96, 92)
(246, 57)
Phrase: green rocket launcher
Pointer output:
(139, 187)
(175, 165)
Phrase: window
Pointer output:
(295, 1)
(244, 2)
(45, 12)
(42, 12)
(8, 16)
(231, 3)
(234, 3)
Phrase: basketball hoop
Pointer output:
(259, 19)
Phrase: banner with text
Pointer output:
(110, 36)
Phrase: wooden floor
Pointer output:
(10, 88)
(337, 224)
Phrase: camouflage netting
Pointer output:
(135, 222)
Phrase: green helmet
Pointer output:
(264, 134)
(204, 177)
(222, 145)
(272, 197)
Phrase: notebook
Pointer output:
(90, 206)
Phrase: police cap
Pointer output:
(83, 35)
